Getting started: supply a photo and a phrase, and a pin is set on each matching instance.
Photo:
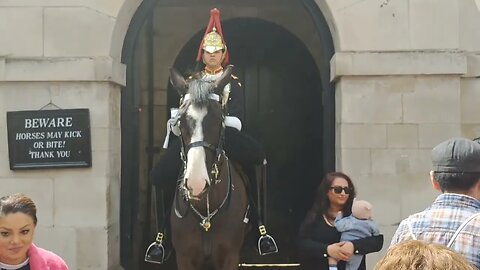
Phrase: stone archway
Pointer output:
(125, 18)
(129, 9)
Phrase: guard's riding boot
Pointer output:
(266, 243)
(161, 248)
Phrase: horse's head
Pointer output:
(202, 128)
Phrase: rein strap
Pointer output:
(200, 144)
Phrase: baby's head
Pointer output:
(362, 209)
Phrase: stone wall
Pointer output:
(58, 53)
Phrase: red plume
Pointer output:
(214, 22)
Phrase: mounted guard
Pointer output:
(238, 146)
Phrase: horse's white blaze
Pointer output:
(196, 172)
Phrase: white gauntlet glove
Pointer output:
(172, 125)
(232, 121)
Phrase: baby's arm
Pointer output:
(344, 224)
(374, 228)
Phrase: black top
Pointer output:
(315, 237)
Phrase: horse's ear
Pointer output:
(178, 82)
(223, 80)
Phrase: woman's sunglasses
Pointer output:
(338, 190)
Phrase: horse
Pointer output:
(209, 215)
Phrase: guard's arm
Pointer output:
(236, 101)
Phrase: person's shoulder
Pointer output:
(55, 260)
(50, 258)
(409, 220)
(371, 223)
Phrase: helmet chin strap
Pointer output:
(224, 54)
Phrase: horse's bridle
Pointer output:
(218, 149)
(214, 172)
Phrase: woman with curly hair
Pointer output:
(319, 240)
(420, 255)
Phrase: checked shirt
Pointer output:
(438, 223)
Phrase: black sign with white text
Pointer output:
(49, 139)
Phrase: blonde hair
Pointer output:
(419, 255)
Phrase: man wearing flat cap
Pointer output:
(453, 219)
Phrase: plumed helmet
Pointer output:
(213, 39)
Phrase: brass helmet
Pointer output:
(213, 38)
(213, 42)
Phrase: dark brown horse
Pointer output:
(208, 219)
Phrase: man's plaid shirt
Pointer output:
(438, 223)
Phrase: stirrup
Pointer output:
(156, 251)
(266, 243)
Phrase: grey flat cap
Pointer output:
(456, 155)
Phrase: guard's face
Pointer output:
(16, 235)
(213, 60)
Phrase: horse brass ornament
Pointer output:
(206, 224)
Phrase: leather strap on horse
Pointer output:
(259, 204)
(262, 194)
(263, 181)
(163, 224)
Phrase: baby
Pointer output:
(356, 226)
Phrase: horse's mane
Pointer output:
(199, 91)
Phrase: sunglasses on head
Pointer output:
(338, 190)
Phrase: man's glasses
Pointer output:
(338, 190)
